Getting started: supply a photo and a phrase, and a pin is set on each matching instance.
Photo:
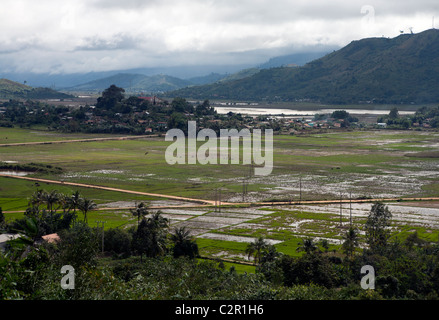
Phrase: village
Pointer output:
(149, 114)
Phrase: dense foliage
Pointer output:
(147, 261)
(427, 117)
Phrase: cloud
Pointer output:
(95, 35)
(116, 42)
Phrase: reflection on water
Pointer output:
(15, 173)
(291, 112)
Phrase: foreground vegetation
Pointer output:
(150, 261)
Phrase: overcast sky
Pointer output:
(64, 36)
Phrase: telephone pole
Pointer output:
(244, 188)
(341, 210)
(218, 200)
(103, 223)
(350, 209)
(219, 206)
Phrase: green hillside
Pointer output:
(134, 83)
(404, 69)
(14, 90)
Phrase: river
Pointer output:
(291, 112)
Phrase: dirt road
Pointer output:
(74, 184)
(210, 203)
(73, 141)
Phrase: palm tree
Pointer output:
(255, 249)
(85, 205)
(184, 243)
(74, 201)
(151, 235)
(307, 245)
(37, 198)
(50, 199)
(30, 227)
(141, 210)
(158, 221)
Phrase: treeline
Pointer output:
(115, 113)
(427, 117)
(31, 167)
(148, 261)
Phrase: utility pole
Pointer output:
(219, 207)
(341, 209)
(350, 209)
(244, 189)
(103, 222)
(300, 190)
(218, 200)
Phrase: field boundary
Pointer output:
(75, 141)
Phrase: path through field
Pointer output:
(204, 202)
(73, 141)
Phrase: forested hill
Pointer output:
(14, 90)
(133, 83)
(404, 69)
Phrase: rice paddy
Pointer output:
(359, 164)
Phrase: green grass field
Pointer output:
(140, 164)
(399, 163)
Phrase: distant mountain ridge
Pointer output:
(139, 83)
(13, 90)
(192, 74)
(404, 69)
(295, 59)
(133, 83)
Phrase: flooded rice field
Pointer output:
(287, 187)
(282, 223)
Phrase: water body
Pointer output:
(291, 112)
(15, 173)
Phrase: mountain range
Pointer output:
(400, 70)
(138, 82)
(133, 83)
(404, 69)
(157, 79)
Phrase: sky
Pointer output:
(71, 36)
